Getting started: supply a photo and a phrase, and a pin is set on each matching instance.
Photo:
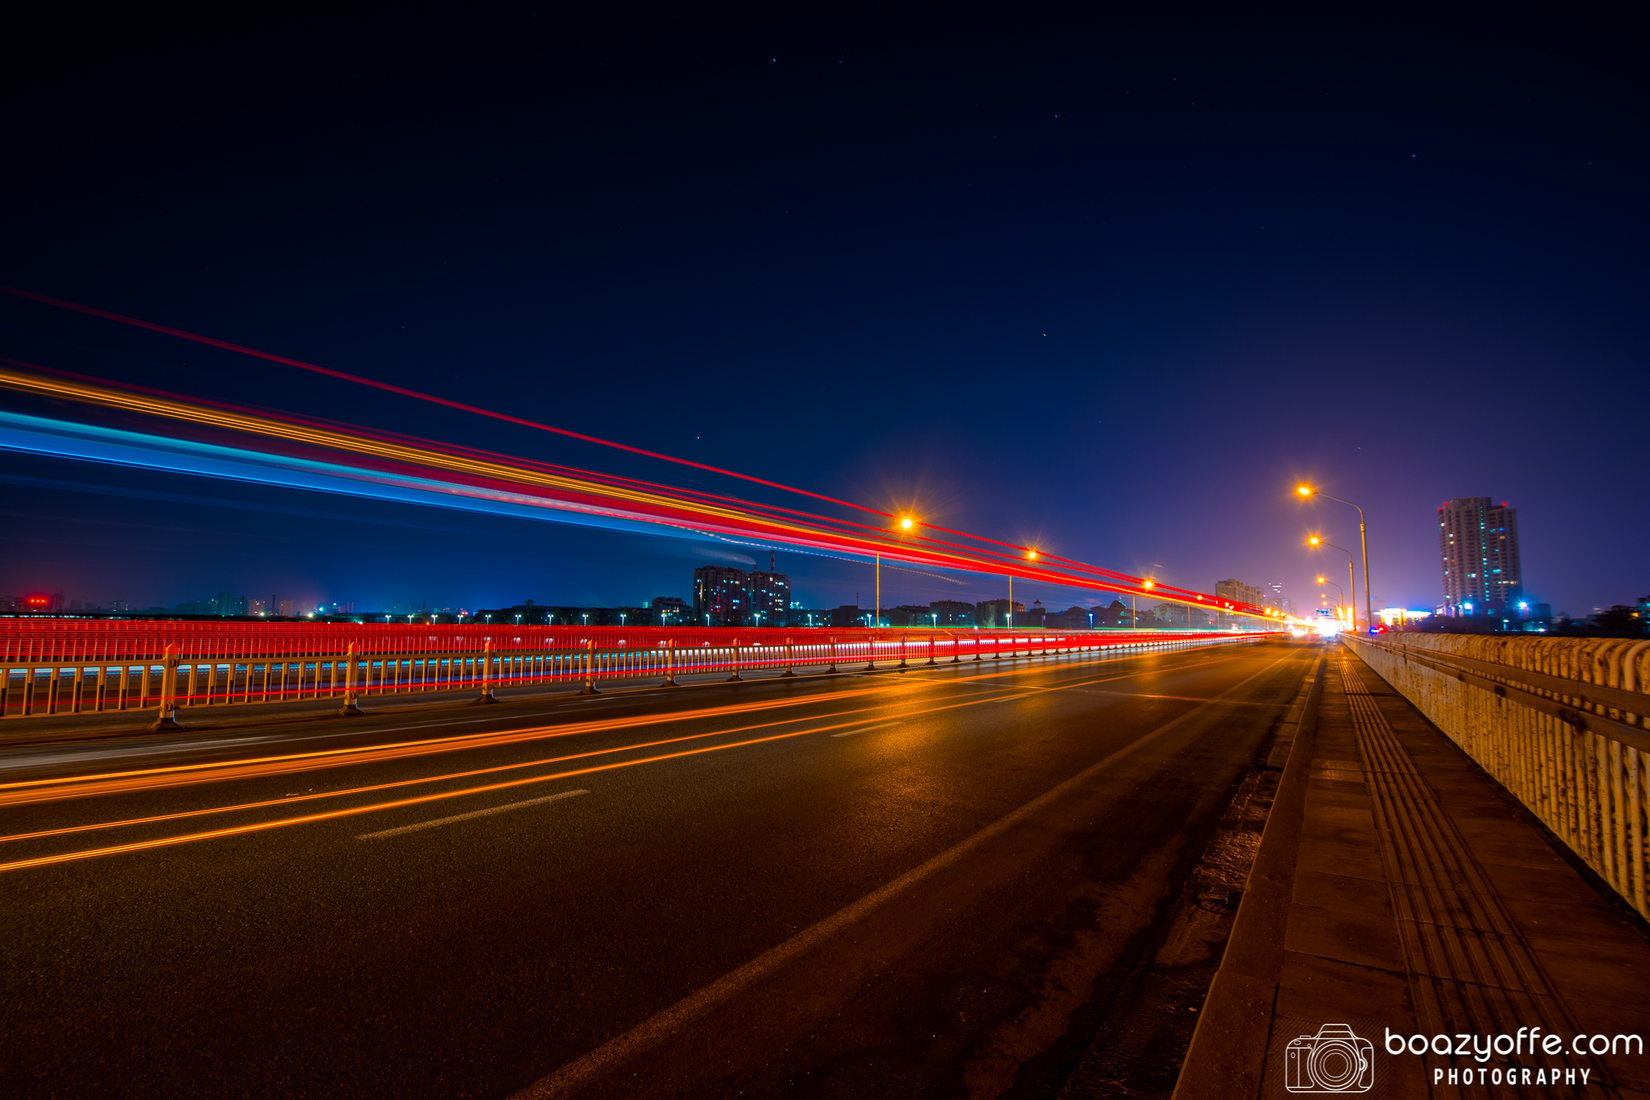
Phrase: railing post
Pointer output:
(670, 663)
(167, 719)
(930, 649)
(735, 678)
(904, 646)
(349, 708)
(833, 657)
(790, 658)
(589, 669)
(487, 695)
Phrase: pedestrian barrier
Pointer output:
(63, 667)
(1562, 723)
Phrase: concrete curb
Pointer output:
(1227, 1056)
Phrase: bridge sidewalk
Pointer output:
(1400, 888)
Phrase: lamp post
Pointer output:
(905, 524)
(1363, 540)
(1349, 610)
(1315, 541)
(1134, 603)
(1031, 555)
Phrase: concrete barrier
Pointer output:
(1562, 723)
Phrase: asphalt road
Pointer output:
(920, 884)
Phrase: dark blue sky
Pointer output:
(1106, 286)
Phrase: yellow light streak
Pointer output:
(352, 811)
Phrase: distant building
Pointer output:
(721, 596)
(1237, 592)
(1277, 601)
(994, 614)
(1478, 550)
(671, 610)
(1072, 618)
(850, 615)
(953, 612)
(770, 597)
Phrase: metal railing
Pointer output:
(70, 667)
(1562, 723)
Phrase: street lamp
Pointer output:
(586, 616)
(1134, 603)
(906, 523)
(1363, 540)
(1316, 541)
(1337, 588)
(1031, 555)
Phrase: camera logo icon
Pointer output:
(1336, 1060)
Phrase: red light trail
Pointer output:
(480, 475)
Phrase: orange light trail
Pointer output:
(15, 793)
(509, 784)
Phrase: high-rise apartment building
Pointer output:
(770, 596)
(721, 596)
(1478, 546)
(1238, 592)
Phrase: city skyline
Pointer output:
(1216, 294)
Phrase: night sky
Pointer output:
(1106, 287)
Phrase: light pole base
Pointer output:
(486, 699)
(349, 710)
(167, 721)
(588, 690)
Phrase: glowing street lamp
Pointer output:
(1337, 588)
(1031, 555)
(1134, 602)
(1316, 541)
(906, 523)
(1306, 491)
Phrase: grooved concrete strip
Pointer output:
(1424, 901)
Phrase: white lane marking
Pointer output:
(865, 729)
(652, 1031)
(468, 816)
